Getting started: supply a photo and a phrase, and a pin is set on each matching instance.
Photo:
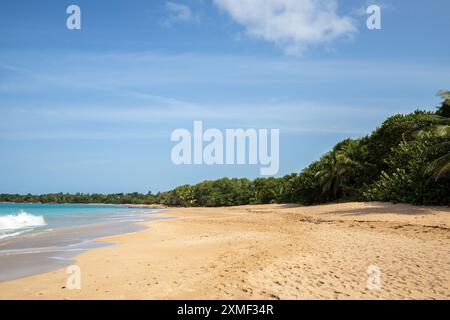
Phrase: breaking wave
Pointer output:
(21, 220)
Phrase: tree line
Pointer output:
(406, 159)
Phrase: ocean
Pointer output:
(36, 238)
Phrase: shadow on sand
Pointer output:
(372, 208)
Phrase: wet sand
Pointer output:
(48, 250)
(265, 252)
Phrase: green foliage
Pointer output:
(341, 167)
(404, 181)
(439, 168)
(60, 198)
(266, 190)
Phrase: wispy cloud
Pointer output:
(156, 121)
(146, 95)
(134, 73)
(179, 13)
(295, 25)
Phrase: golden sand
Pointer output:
(265, 252)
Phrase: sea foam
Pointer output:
(21, 220)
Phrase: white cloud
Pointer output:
(295, 25)
(179, 12)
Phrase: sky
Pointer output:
(92, 110)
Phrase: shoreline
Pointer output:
(46, 249)
(145, 206)
(264, 252)
(128, 205)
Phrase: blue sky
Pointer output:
(92, 110)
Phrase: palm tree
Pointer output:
(440, 167)
(444, 94)
(339, 167)
(444, 109)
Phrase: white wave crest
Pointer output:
(20, 221)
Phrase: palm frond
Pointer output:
(439, 167)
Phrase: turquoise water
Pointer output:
(38, 238)
(16, 219)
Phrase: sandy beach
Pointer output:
(265, 252)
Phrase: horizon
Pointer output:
(92, 110)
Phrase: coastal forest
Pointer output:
(405, 160)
